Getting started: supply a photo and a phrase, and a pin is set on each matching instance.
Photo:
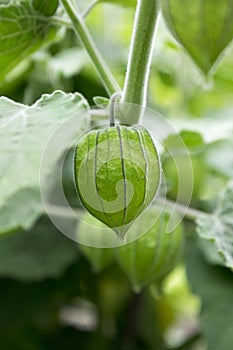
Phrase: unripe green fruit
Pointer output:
(99, 258)
(155, 254)
(117, 174)
(204, 28)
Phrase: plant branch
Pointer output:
(86, 39)
(189, 213)
(63, 211)
(89, 8)
(136, 81)
(61, 21)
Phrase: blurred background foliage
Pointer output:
(51, 298)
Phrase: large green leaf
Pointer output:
(24, 133)
(219, 226)
(40, 253)
(47, 7)
(203, 27)
(214, 285)
(30, 302)
(22, 31)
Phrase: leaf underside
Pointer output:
(24, 134)
(219, 226)
(23, 31)
(214, 285)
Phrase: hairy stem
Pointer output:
(86, 39)
(136, 81)
(189, 213)
(89, 8)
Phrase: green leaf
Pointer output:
(204, 28)
(218, 227)
(24, 133)
(214, 285)
(21, 209)
(47, 7)
(208, 248)
(101, 102)
(22, 32)
(27, 302)
(66, 62)
(40, 253)
(155, 254)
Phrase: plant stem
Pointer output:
(89, 8)
(63, 211)
(189, 213)
(136, 81)
(86, 39)
(60, 21)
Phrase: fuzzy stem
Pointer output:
(86, 39)
(136, 81)
(89, 8)
(189, 213)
